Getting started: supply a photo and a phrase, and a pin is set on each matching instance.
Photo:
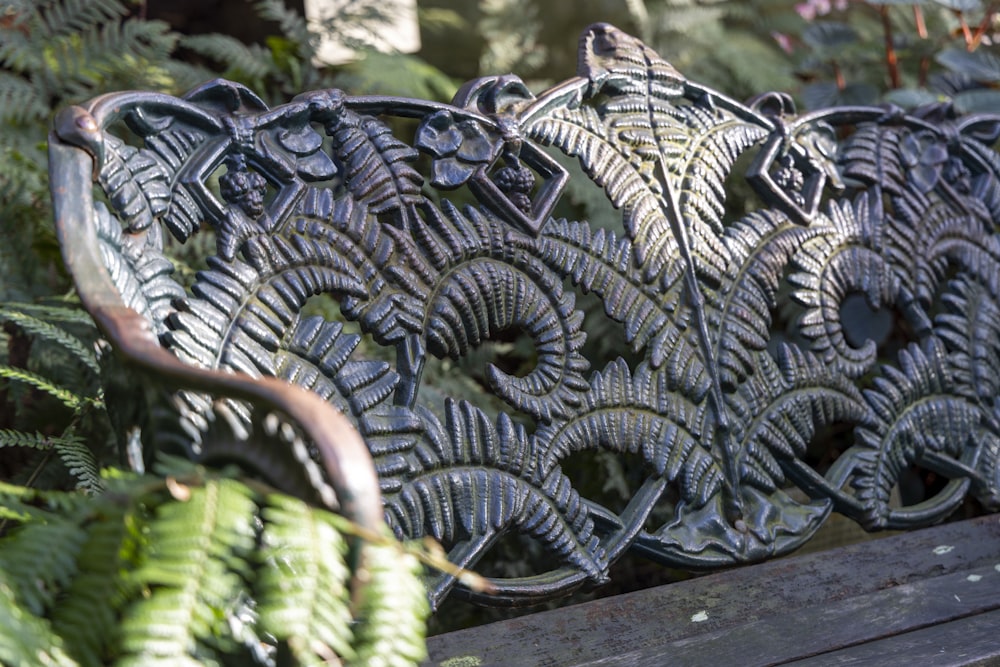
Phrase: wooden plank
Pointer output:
(666, 617)
(829, 624)
(967, 642)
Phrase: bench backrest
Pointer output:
(803, 356)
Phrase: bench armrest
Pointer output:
(343, 453)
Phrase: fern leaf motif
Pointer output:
(640, 413)
(780, 408)
(764, 241)
(317, 356)
(481, 282)
(599, 262)
(941, 235)
(499, 466)
(836, 261)
(242, 310)
(142, 274)
(154, 182)
(377, 166)
(664, 157)
(660, 155)
(872, 155)
(785, 404)
(136, 183)
(970, 328)
(183, 216)
(919, 411)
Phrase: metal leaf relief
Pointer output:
(599, 262)
(481, 285)
(764, 241)
(139, 269)
(376, 164)
(743, 350)
(137, 185)
(919, 411)
(494, 470)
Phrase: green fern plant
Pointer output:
(51, 393)
(167, 570)
(53, 53)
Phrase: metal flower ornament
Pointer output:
(460, 148)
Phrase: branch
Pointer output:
(891, 60)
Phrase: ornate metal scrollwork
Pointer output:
(327, 195)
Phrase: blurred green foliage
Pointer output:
(824, 52)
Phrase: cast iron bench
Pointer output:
(750, 400)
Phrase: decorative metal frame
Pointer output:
(326, 194)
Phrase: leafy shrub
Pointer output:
(910, 53)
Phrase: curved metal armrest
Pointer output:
(344, 455)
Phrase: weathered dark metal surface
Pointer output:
(747, 351)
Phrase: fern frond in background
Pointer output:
(53, 53)
(50, 390)
(72, 449)
(244, 62)
(43, 330)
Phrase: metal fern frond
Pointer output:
(761, 245)
(921, 418)
(498, 464)
(599, 262)
(970, 328)
(641, 413)
(377, 166)
(144, 278)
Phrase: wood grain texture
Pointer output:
(767, 614)
(972, 641)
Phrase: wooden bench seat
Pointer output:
(929, 597)
(737, 369)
